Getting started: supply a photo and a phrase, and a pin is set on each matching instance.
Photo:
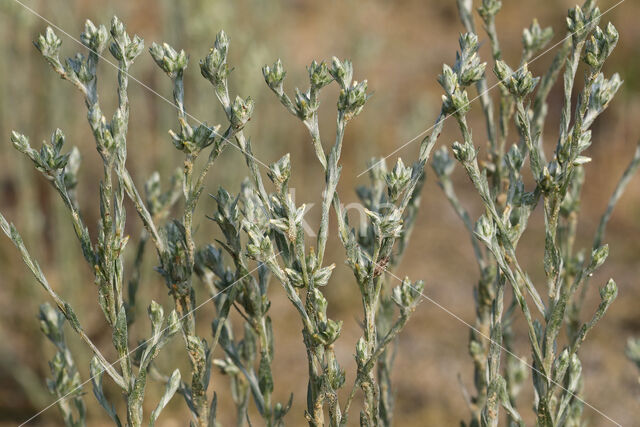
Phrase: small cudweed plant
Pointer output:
(556, 370)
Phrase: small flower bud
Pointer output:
(94, 38)
(48, 44)
(20, 142)
(406, 295)
(222, 42)
(342, 72)
(77, 67)
(322, 275)
(581, 160)
(51, 323)
(448, 79)
(295, 278)
(241, 111)
(485, 229)
(463, 152)
(514, 158)
(361, 352)
(489, 9)
(156, 314)
(214, 66)
(123, 48)
(173, 324)
(584, 141)
(547, 180)
(468, 67)
(599, 46)
(352, 99)
(575, 371)
(117, 28)
(280, 172)
(535, 38)
(171, 62)
(135, 48)
(442, 164)
(274, 76)
(578, 23)
(330, 331)
(562, 362)
(305, 106)
(602, 92)
(398, 179)
(609, 292)
(319, 75)
(457, 103)
(387, 225)
(519, 83)
(71, 169)
(192, 139)
(598, 256)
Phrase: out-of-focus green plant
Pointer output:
(556, 369)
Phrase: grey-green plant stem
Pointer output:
(533, 368)
(35, 269)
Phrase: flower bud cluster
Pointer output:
(214, 66)
(123, 48)
(519, 83)
(599, 46)
(536, 38)
(193, 139)
(169, 60)
(580, 21)
(274, 76)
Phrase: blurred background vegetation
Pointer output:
(399, 46)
